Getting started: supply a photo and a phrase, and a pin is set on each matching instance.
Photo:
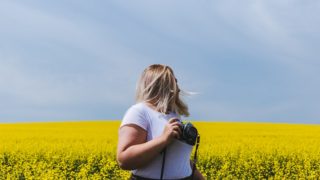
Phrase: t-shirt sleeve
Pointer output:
(135, 116)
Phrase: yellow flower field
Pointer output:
(86, 150)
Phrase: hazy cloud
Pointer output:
(249, 60)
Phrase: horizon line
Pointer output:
(119, 120)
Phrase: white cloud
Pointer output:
(49, 59)
(25, 83)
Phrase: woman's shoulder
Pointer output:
(135, 115)
(139, 106)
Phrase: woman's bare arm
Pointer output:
(134, 152)
(197, 174)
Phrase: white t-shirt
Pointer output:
(177, 163)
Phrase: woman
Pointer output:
(152, 125)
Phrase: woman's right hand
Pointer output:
(172, 130)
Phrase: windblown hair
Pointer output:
(158, 86)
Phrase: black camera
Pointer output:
(189, 133)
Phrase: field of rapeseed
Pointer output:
(86, 150)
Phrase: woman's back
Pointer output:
(177, 162)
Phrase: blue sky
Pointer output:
(73, 60)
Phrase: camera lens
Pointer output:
(190, 133)
(193, 132)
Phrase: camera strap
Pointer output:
(163, 161)
(195, 158)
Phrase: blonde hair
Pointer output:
(158, 86)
